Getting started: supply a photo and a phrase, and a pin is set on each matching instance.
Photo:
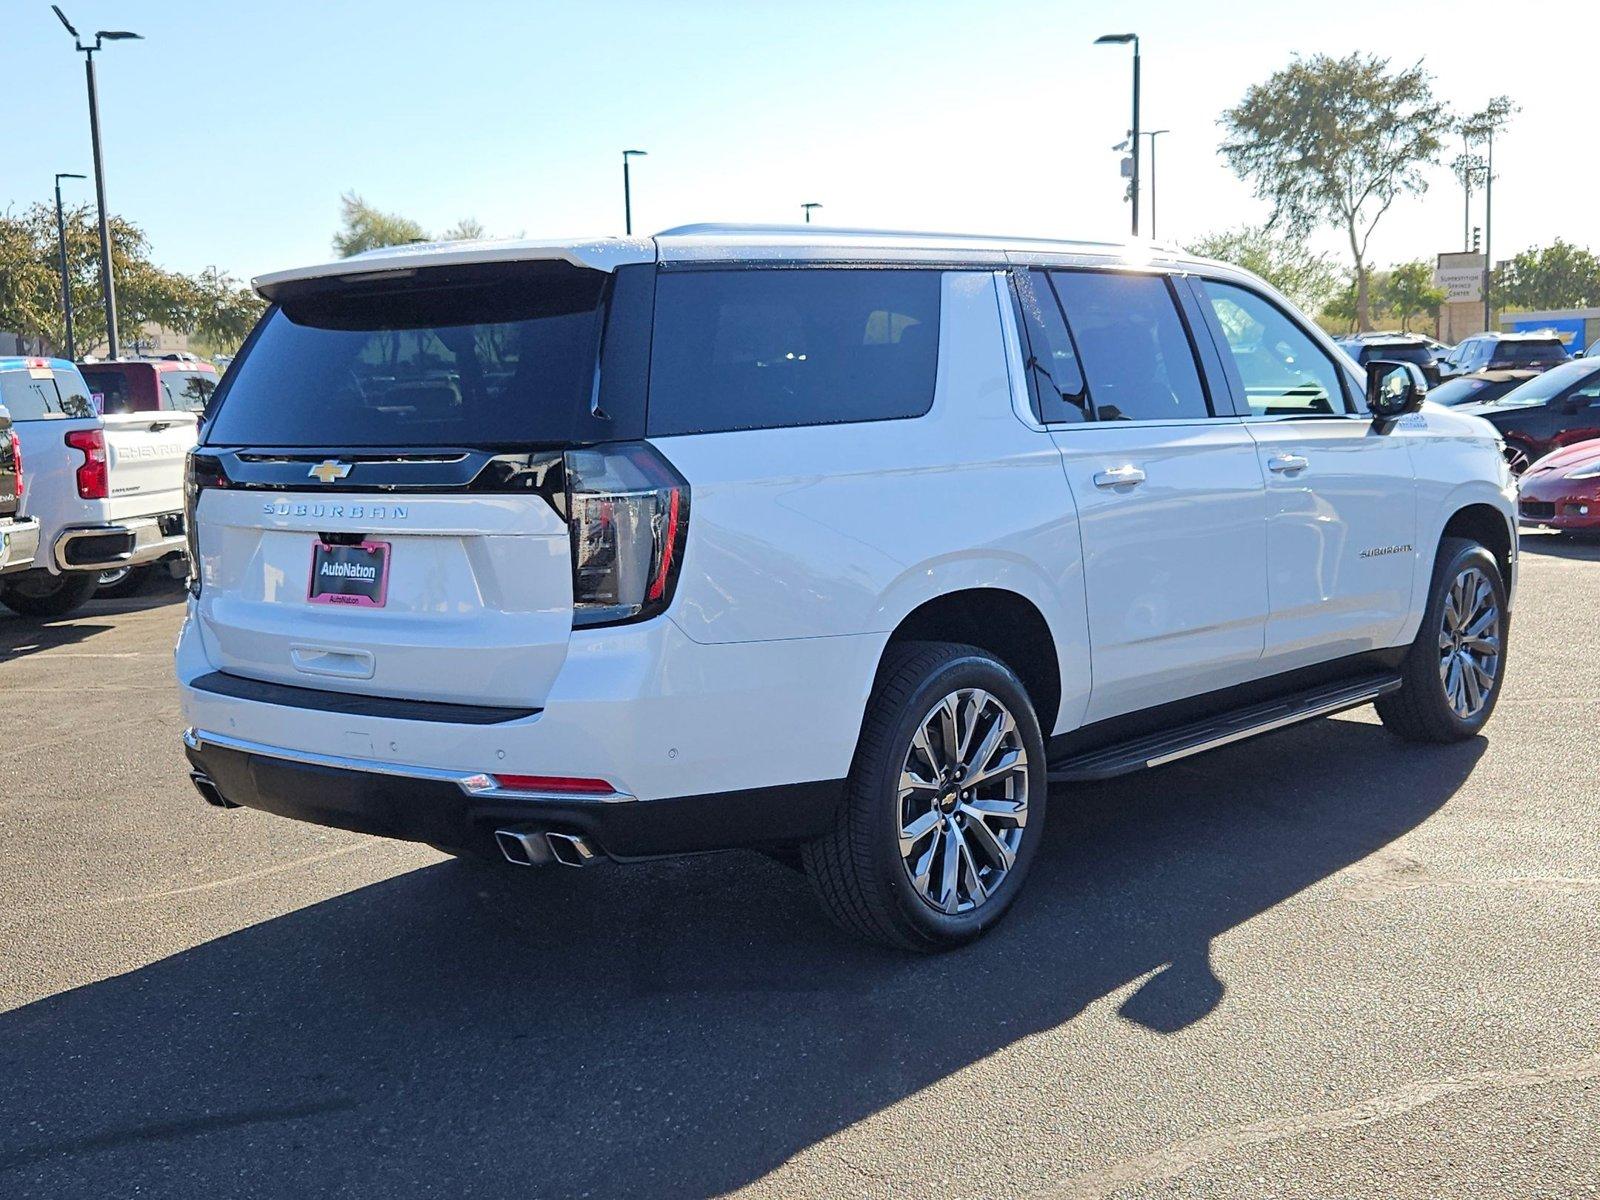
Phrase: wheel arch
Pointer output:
(1005, 623)
(1487, 525)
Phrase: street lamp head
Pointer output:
(1116, 39)
(117, 35)
(63, 18)
(635, 154)
(69, 175)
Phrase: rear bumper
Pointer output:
(128, 543)
(19, 544)
(461, 812)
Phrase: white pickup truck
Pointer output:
(99, 492)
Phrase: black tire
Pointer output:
(857, 868)
(1421, 710)
(38, 593)
(129, 581)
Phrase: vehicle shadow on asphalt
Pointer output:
(21, 636)
(671, 1029)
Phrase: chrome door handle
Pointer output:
(1125, 476)
(1286, 464)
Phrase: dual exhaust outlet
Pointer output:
(521, 847)
(539, 847)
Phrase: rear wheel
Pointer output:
(38, 593)
(1453, 670)
(945, 804)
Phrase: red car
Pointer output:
(1562, 490)
(151, 384)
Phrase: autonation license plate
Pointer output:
(355, 574)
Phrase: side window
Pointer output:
(766, 348)
(1283, 371)
(1132, 344)
(1053, 368)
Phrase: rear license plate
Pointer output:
(355, 574)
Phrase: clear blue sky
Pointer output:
(232, 130)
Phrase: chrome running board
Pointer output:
(1157, 749)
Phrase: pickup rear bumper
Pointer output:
(121, 544)
(19, 544)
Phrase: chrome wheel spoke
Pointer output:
(1469, 643)
(999, 854)
(957, 846)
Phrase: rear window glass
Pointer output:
(766, 348)
(473, 357)
(39, 394)
(1520, 353)
(1410, 352)
(1461, 391)
(113, 389)
(189, 391)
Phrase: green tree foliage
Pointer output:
(1559, 275)
(210, 304)
(1335, 141)
(363, 227)
(1408, 291)
(1310, 280)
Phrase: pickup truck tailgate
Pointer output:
(144, 457)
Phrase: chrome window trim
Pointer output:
(471, 783)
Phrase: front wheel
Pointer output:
(38, 593)
(1453, 671)
(945, 802)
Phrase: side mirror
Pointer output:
(1391, 390)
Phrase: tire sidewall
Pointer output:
(1473, 555)
(970, 670)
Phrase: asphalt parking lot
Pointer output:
(1325, 963)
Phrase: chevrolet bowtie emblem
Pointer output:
(329, 471)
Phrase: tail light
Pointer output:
(200, 472)
(628, 517)
(93, 480)
(16, 461)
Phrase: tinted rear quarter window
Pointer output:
(766, 348)
(189, 391)
(1134, 349)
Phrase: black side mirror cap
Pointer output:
(1391, 390)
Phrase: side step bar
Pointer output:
(1156, 749)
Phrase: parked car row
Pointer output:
(91, 492)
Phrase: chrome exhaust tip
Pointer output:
(570, 850)
(538, 848)
(209, 792)
(523, 847)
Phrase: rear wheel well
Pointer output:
(1005, 624)
(1486, 525)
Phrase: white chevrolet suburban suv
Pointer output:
(102, 492)
(841, 545)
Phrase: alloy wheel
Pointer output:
(963, 800)
(1469, 643)
(1518, 459)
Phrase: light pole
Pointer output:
(806, 208)
(627, 190)
(106, 284)
(66, 279)
(1122, 39)
(1488, 234)
(1153, 135)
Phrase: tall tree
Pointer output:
(30, 280)
(1559, 275)
(1310, 280)
(1408, 291)
(1335, 141)
(364, 227)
